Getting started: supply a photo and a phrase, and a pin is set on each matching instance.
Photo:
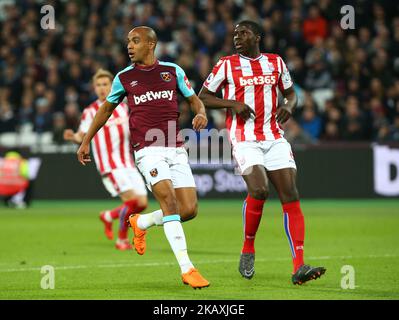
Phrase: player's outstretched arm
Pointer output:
(285, 111)
(102, 115)
(75, 137)
(200, 120)
(212, 102)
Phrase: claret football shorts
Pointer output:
(165, 163)
(273, 155)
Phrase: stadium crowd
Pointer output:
(347, 81)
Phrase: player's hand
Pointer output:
(243, 110)
(283, 114)
(200, 121)
(68, 135)
(83, 154)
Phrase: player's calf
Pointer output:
(106, 218)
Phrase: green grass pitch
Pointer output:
(69, 236)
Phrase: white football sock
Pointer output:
(148, 220)
(107, 216)
(175, 235)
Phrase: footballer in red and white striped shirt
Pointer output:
(110, 146)
(255, 82)
(251, 82)
(114, 160)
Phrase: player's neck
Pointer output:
(253, 54)
(147, 62)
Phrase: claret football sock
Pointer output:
(134, 207)
(294, 225)
(127, 209)
(148, 220)
(113, 214)
(123, 224)
(175, 235)
(252, 213)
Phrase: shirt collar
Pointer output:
(252, 59)
(146, 68)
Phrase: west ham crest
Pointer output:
(166, 76)
(154, 172)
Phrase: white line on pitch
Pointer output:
(157, 264)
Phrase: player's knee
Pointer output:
(142, 202)
(260, 193)
(189, 212)
(289, 195)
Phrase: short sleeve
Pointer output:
(85, 121)
(117, 91)
(217, 77)
(285, 80)
(183, 83)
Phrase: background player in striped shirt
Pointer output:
(114, 161)
(250, 82)
(151, 87)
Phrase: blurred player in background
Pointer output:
(111, 150)
(249, 81)
(151, 88)
(14, 178)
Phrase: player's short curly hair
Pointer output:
(102, 73)
(253, 26)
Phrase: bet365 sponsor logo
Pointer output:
(269, 79)
(151, 96)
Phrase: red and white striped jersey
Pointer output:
(111, 144)
(256, 83)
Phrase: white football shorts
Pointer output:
(273, 155)
(123, 179)
(165, 163)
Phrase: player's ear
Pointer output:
(152, 45)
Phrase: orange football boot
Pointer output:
(139, 235)
(194, 279)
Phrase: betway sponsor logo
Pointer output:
(151, 95)
(269, 79)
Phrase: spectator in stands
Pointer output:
(325, 61)
(331, 132)
(72, 116)
(353, 121)
(43, 117)
(59, 125)
(311, 123)
(26, 112)
(378, 116)
(315, 26)
(8, 121)
(295, 134)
